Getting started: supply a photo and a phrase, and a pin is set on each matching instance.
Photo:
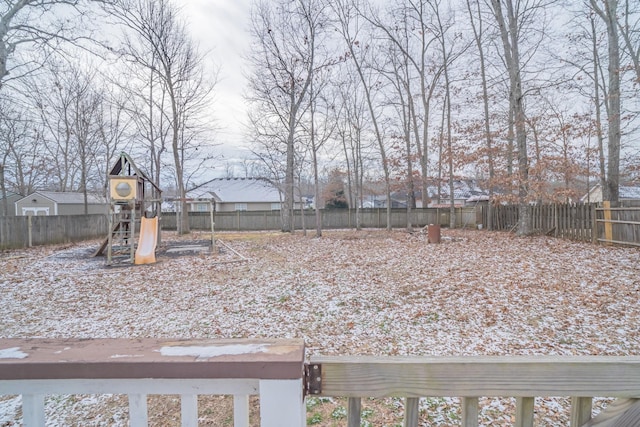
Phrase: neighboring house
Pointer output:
(45, 203)
(465, 192)
(12, 198)
(625, 193)
(237, 194)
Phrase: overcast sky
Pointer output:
(221, 27)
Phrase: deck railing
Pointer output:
(469, 378)
(271, 369)
(275, 371)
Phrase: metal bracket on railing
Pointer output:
(312, 379)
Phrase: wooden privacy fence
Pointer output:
(569, 221)
(24, 231)
(331, 219)
(617, 225)
(586, 222)
(275, 371)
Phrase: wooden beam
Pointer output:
(619, 413)
(42, 359)
(524, 376)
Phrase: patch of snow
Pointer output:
(206, 352)
(12, 353)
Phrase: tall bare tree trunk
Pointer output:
(609, 16)
(512, 59)
(478, 32)
(596, 104)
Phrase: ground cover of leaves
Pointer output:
(347, 293)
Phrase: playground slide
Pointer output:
(146, 252)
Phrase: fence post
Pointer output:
(30, 230)
(608, 227)
(594, 224)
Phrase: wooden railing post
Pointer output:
(580, 411)
(411, 411)
(281, 403)
(469, 412)
(524, 411)
(353, 412)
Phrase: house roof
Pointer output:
(240, 190)
(11, 195)
(627, 192)
(67, 198)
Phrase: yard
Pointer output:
(347, 293)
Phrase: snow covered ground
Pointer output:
(347, 293)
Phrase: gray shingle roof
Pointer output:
(68, 198)
(626, 192)
(242, 190)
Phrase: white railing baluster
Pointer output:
(240, 410)
(33, 410)
(189, 410)
(281, 403)
(138, 410)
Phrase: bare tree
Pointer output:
(35, 24)
(321, 126)
(629, 28)
(413, 36)
(20, 167)
(509, 24)
(161, 44)
(351, 123)
(69, 106)
(607, 11)
(477, 25)
(112, 123)
(358, 51)
(283, 60)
